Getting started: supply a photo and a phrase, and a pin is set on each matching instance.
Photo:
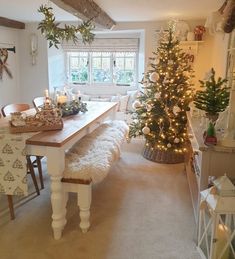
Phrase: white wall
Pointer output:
(10, 88)
(30, 81)
(33, 78)
(56, 68)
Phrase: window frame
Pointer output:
(112, 62)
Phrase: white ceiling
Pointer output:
(118, 10)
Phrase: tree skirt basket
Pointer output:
(162, 156)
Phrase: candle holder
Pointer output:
(73, 107)
(216, 227)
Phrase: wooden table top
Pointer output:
(72, 125)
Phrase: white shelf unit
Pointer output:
(205, 162)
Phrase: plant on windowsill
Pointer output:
(214, 97)
(55, 35)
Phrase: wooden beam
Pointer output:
(85, 10)
(11, 23)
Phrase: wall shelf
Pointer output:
(190, 45)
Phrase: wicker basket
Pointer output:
(162, 156)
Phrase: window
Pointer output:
(102, 67)
(101, 71)
(124, 67)
(78, 67)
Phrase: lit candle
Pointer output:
(46, 93)
(62, 99)
(221, 241)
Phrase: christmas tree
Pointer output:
(214, 97)
(160, 110)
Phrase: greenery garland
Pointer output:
(54, 34)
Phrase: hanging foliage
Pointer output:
(55, 35)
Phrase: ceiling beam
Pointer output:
(11, 23)
(85, 10)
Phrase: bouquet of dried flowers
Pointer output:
(198, 32)
(199, 29)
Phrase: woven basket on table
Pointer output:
(162, 156)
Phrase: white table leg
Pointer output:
(84, 203)
(55, 164)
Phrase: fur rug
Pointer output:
(93, 155)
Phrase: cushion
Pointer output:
(122, 102)
(116, 99)
(132, 96)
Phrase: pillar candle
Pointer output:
(221, 241)
(46, 93)
(62, 99)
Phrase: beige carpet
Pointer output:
(141, 211)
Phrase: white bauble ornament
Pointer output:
(157, 95)
(169, 145)
(176, 140)
(154, 77)
(136, 104)
(146, 130)
(176, 110)
(149, 107)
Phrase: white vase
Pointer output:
(190, 36)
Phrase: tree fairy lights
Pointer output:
(160, 110)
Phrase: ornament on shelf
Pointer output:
(209, 135)
(146, 130)
(169, 145)
(154, 77)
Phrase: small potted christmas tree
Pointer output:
(214, 97)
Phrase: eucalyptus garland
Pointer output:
(54, 34)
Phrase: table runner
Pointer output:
(13, 166)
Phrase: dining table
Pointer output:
(54, 144)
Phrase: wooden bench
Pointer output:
(89, 161)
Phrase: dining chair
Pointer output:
(38, 101)
(14, 107)
(20, 107)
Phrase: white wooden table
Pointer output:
(53, 144)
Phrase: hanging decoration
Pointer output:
(3, 61)
(55, 35)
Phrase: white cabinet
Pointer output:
(205, 163)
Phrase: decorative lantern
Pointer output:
(216, 228)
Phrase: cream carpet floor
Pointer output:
(142, 210)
